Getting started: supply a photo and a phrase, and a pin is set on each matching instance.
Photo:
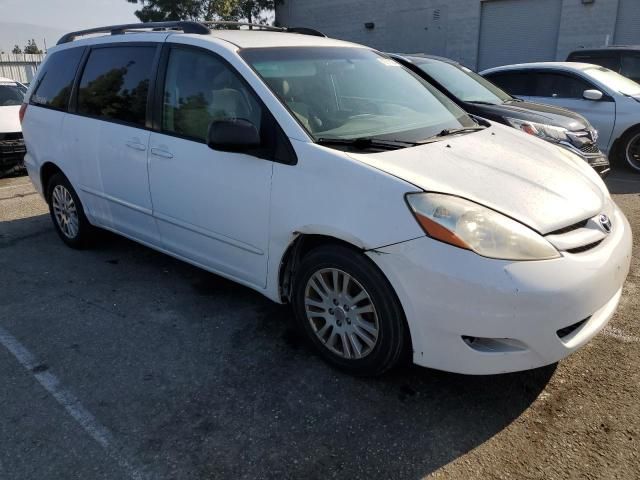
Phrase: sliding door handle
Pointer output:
(158, 152)
(137, 146)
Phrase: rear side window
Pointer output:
(515, 83)
(56, 80)
(557, 85)
(115, 84)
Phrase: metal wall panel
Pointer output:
(628, 23)
(516, 31)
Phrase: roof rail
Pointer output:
(200, 28)
(186, 27)
(230, 25)
(305, 31)
(270, 28)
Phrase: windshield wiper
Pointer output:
(448, 132)
(455, 131)
(481, 102)
(365, 143)
(514, 100)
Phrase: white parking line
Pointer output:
(71, 404)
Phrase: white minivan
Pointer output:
(324, 174)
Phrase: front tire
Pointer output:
(67, 213)
(630, 149)
(349, 311)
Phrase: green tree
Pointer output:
(31, 47)
(251, 11)
(16, 50)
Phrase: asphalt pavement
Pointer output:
(122, 363)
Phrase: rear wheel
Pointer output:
(349, 311)
(67, 213)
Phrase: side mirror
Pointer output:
(594, 95)
(237, 135)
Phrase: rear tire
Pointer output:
(67, 213)
(348, 310)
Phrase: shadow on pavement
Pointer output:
(207, 379)
(623, 181)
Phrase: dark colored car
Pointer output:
(480, 97)
(624, 60)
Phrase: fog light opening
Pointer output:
(494, 345)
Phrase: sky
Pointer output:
(49, 19)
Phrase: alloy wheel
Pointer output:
(65, 211)
(341, 313)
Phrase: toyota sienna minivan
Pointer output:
(326, 175)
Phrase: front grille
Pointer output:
(12, 144)
(11, 136)
(584, 248)
(570, 228)
(566, 331)
(589, 148)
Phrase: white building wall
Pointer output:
(581, 24)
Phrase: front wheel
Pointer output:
(630, 149)
(349, 311)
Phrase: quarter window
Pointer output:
(56, 80)
(115, 84)
(200, 88)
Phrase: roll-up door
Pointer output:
(628, 23)
(517, 31)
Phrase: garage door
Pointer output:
(516, 31)
(628, 23)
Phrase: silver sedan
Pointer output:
(608, 100)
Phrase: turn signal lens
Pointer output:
(467, 225)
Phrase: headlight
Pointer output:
(547, 132)
(467, 225)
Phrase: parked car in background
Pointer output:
(608, 100)
(622, 59)
(12, 148)
(479, 96)
(324, 174)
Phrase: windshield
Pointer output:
(348, 93)
(613, 80)
(10, 95)
(463, 83)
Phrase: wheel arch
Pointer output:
(302, 242)
(48, 170)
(615, 153)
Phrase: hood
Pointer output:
(10, 119)
(536, 112)
(530, 180)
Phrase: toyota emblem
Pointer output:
(605, 222)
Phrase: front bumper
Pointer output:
(12, 151)
(474, 315)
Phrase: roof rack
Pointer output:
(200, 28)
(186, 27)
